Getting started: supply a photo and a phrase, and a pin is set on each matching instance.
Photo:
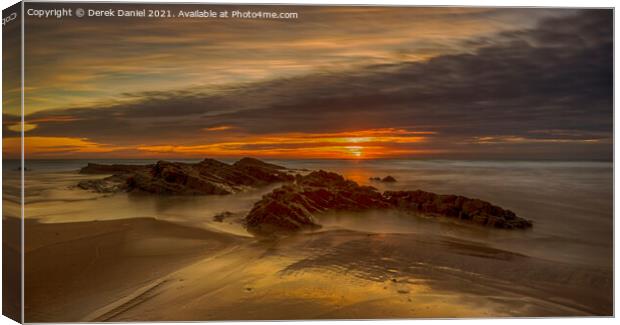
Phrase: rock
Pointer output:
(293, 207)
(111, 184)
(257, 163)
(220, 217)
(454, 206)
(388, 179)
(208, 177)
(112, 169)
(171, 178)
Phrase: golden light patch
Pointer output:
(27, 127)
(219, 128)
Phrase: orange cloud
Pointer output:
(55, 146)
(56, 118)
(363, 144)
(219, 128)
(522, 140)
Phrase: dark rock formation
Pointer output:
(208, 177)
(388, 179)
(111, 184)
(253, 162)
(220, 217)
(112, 169)
(455, 206)
(294, 207)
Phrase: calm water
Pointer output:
(570, 203)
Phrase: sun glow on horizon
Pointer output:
(360, 144)
(356, 151)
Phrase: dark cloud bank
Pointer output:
(543, 93)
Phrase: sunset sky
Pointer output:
(339, 82)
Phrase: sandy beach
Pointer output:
(74, 269)
(147, 269)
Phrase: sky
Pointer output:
(338, 82)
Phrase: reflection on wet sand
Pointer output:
(461, 268)
(255, 282)
(166, 272)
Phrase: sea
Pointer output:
(569, 202)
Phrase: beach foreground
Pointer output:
(147, 269)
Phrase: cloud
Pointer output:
(540, 92)
(78, 62)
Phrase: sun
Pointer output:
(355, 151)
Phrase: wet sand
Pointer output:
(73, 269)
(148, 269)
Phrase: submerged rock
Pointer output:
(208, 177)
(220, 217)
(295, 207)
